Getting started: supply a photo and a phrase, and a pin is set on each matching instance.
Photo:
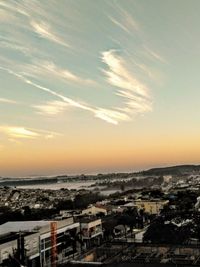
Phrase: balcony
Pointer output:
(87, 234)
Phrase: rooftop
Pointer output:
(23, 226)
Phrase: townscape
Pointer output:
(99, 133)
(141, 225)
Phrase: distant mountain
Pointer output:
(173, 170)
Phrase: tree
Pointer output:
(122, 187)
(127, 220)
(108, 226)
(167, 233)
(64, 205)
(82, 201)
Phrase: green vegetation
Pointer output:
(81, 201)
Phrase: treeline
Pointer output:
(26, 214)
(134, 182)
(177, 225)
(81, 201)
(173, 170)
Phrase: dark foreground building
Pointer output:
(139, 255)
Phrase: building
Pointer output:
(167, 178)
(94, 210)
(91, 231)
(19, 247)
(150, 206)
(36, 243)
(66, 241)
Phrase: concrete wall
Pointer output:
(91, 224)
(152, 207)
(32, 245)
(94, 210)
(6, 249)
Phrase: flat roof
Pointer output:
(89, 220)
(129, 204)
(23, 226)
(10, 237)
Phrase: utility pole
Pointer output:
(53, 243)
(20, 248)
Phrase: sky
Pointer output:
(98, 86)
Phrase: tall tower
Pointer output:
(53, 244)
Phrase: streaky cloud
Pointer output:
(49, 69)
(19, 132)
(124, 20)
(51, 108)
(119, 24)
(155, 55)
(119, 76)
(136, 94)
(44, 30)
(107, 115)
(8, 101)
(111, 116)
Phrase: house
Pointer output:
(33, 242)
(94, 210)
(91, 231)
(150, 206)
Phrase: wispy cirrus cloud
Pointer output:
(8, 101)
(112, 116)
(136, 94)
(38, 69)
(119, 24)
(18, 132)
(125, 23)
(123, 19)
(10, 8)
(44, 30)
(50, 69)
(109, 115)
(154, 54)
(119, 76)
(14, 46)
(51, 107)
